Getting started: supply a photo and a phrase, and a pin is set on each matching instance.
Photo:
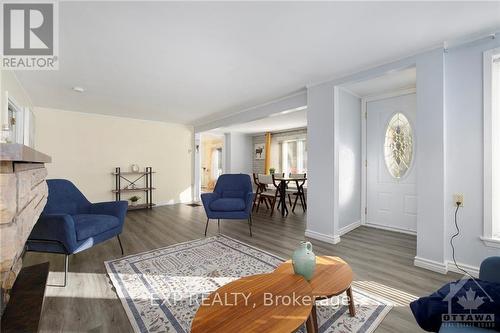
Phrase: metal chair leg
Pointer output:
(66, 266)
(120, 242)
(218, 226)
(250, 225)
(206, 227)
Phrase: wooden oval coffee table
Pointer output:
(245, 305)
(332, 277)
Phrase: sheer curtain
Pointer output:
(293, 157)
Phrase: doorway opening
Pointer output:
(211, 160)
(275, 145)
(382, 149)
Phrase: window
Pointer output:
(293, 157)
(398, 145)
(491, 233)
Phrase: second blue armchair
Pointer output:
(232, 199)
(70, 224)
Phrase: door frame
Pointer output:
(364, 161)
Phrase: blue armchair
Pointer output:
(488, 271)
(70, 224)
(232, 199)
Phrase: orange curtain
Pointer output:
(267, 161)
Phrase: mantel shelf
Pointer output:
(138, 189)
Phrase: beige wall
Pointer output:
(85, 149)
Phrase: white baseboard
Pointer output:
(349, 227)
(435, 266)
(331, 239)
(472, 270)
(167, 203)
(383, 227)
(170, 203)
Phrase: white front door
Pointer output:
(391, 192)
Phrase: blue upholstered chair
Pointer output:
(70, 224)
(488, 271)
(232, 199)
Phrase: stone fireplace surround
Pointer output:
(23, 195)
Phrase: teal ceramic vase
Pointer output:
(304, 260)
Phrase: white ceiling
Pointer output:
(392, 81)
(185, 61)
(275, 123)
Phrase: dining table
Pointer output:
(284, 181)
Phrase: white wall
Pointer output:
(85, 149)
(322, 223)
(239, 153)
(464, 154)
(196, 166)
(349, 160)
(430, 166)
(449, 145)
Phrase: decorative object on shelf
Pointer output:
(272, 171)
(140, 181)
(134, 168)
(134, 199)
(304, 260)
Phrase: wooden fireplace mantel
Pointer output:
(15, 152)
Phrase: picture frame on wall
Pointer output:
(259, 151)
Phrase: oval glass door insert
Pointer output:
(398, 145)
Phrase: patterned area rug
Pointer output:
(161, 289)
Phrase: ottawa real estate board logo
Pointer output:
(30, 35)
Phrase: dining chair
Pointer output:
(259, 189)
(298, 190)
(269, 191)
(277, 184)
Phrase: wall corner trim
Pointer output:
(439, 267)
(331, 239)
(349, 227)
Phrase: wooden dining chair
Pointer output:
(298, 190)
(259, 189)
(277, 193)
(270, 191)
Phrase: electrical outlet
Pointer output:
(458, 197)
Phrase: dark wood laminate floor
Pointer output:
(381, 260)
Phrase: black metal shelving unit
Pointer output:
(141, 181)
